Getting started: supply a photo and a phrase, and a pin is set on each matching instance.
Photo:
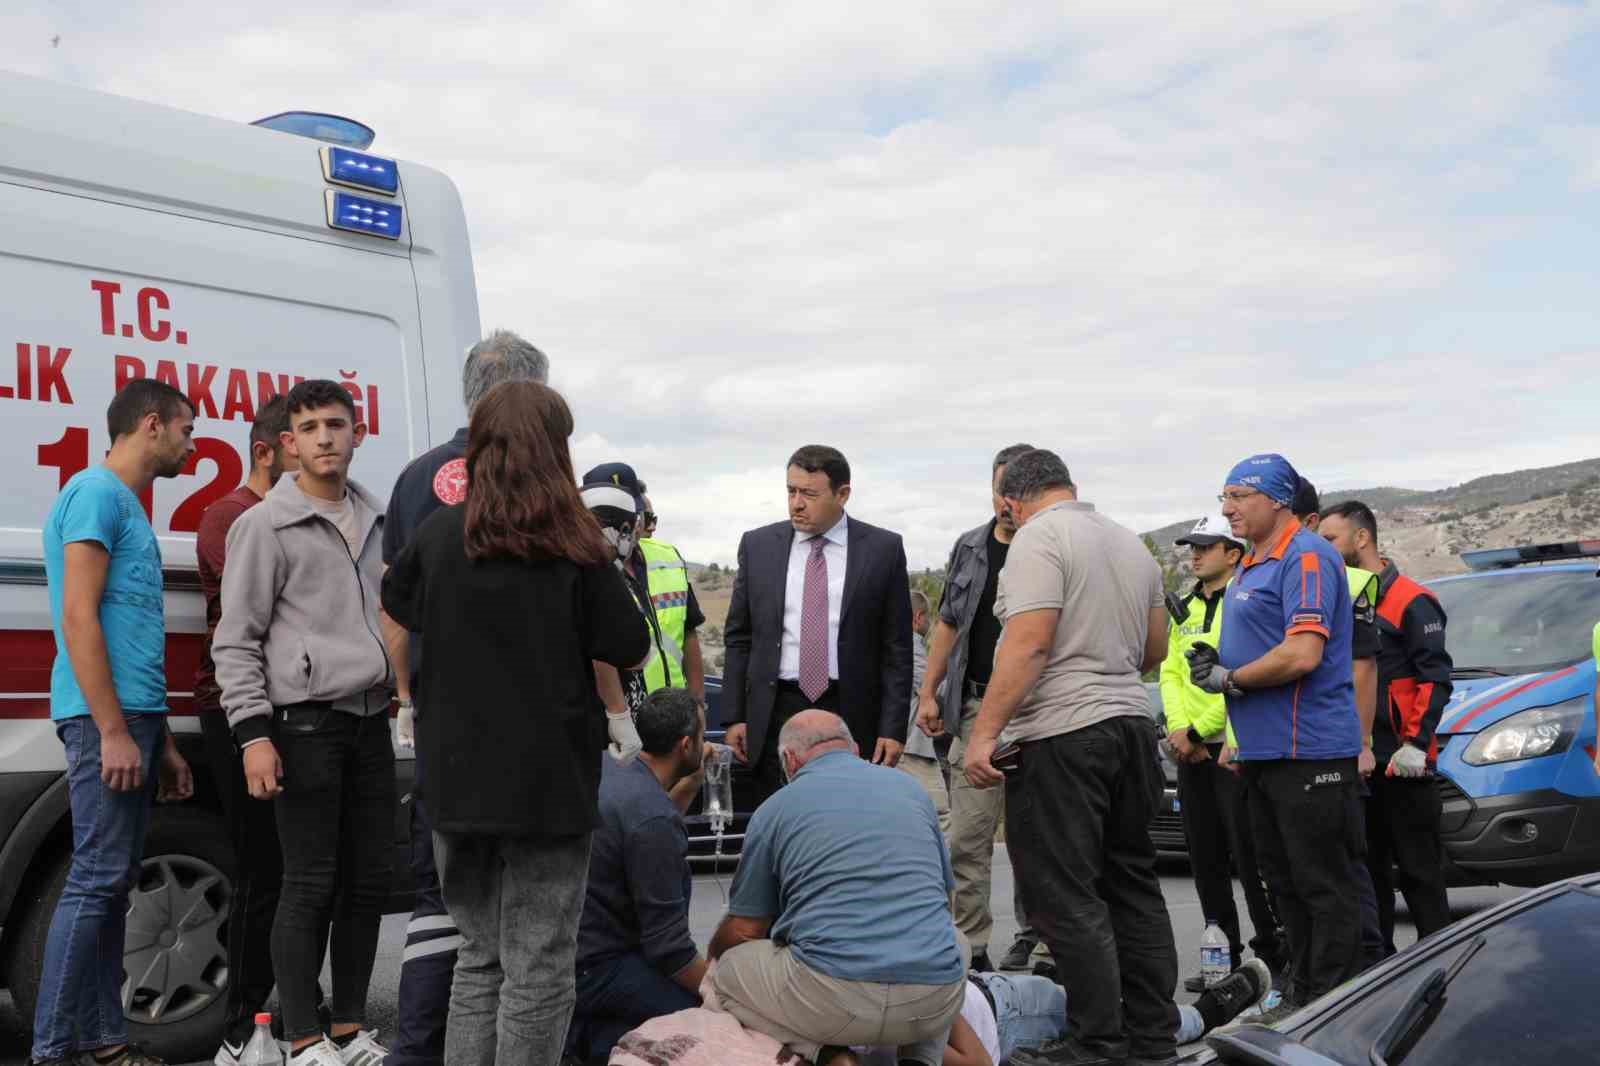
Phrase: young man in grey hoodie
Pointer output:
(306, 684)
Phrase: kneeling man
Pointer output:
(636, 959)
(838, 931)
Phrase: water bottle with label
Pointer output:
(1216, 960)
(262, 1050)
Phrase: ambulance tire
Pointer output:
(188, 859)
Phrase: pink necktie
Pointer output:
(814, 623)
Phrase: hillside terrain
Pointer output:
(1425, 532)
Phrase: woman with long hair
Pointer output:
(515, 594)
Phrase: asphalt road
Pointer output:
(707, 909)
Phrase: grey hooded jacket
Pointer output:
(300, 612)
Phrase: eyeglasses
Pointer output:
(649, 518)
(1235, 497)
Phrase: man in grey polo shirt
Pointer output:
(838, 930)
(1081, 599)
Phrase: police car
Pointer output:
(1517, 740)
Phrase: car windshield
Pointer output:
(1520, 622)
(1527, 996)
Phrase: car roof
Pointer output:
(1515, 571)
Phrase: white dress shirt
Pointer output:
(836, 553)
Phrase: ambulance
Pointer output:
(231, 261)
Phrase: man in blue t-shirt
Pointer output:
(1283, 661)
(838, 930)
(108, 699)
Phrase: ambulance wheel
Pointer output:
(175, 958)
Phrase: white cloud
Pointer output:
(1153, 238)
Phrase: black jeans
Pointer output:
(257, 874)
(1306, 816)
(335, 820)
(1078, 816)
(1212, 801)
(1403, 831)
(787, 702)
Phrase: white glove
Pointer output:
(625, 742)
(1409, 761)
(405, 725)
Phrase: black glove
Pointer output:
(1207, 672)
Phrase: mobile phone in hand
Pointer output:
(1007, 758)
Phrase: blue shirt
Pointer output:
(849, 860)
(637, 898)
(97, 506)
(1299, 587)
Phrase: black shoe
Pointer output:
(1016, 959)
(1197, 983)
(981, 963)
(1235, 994)
(1045, 968)
(1063, 1052)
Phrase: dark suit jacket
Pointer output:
(874, 634)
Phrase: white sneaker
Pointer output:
(323, 1053)
(364, 1050)
(228, 1054)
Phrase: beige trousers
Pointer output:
(975, 816)
(931, 778)
(769, 990)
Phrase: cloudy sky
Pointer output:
(1154, 237)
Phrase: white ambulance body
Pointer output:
(136, 240)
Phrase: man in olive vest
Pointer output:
(660, 569)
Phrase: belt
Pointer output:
(988, 996)
(794, 686)
(974, 690)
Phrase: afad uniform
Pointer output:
(1300, 586)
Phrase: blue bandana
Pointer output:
(1269, 474)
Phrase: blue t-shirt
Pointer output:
(97, 506)
(1299, 587)
(849, 861)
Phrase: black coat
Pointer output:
(874, 634)
(510, 729)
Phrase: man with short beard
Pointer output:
(108, 702)
(636, 958)
(960, 661)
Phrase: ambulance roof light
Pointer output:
(335, 129)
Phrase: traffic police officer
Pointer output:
(1210, 797)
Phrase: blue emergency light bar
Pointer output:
(342, 166)
(378, 218)
(1500, 558)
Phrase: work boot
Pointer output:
(1063, 1052)
(981, 963)
(1016, 959)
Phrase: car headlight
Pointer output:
(1529, 734)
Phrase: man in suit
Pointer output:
(820, 617)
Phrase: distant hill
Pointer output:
(1425, 532)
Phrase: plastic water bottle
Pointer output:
(1216, 960)
(262, 1050)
